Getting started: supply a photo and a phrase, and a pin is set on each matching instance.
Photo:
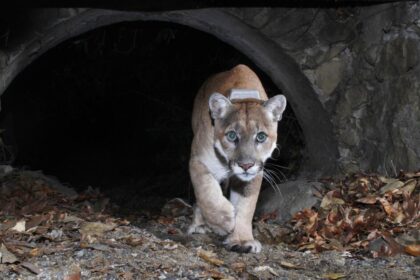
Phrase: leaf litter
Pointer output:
(48, 231)
(357, 211)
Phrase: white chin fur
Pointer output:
(246, 177)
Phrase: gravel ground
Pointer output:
(159, 249)
(77, 238)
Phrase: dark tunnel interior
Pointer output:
(111, 109)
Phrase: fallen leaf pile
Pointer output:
(363, 213)
(38, 218)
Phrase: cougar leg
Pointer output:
(217, 211)
(244, 196)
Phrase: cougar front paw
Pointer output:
(248, 246)
(222, 219)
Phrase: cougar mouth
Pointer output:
(246, 176)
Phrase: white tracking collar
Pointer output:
(238, 94)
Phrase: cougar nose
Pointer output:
(247, 165)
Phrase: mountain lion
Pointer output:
(233, 137)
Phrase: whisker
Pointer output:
(270, 181)
(276, 179)
(280, 172)
(278, 169)
(277, 165)
(273, 174)
(274, 184)
(267, 178)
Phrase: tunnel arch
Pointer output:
(321, 146)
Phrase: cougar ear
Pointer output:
(218, 105)
(276, 105)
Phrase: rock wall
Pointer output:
(363, 63)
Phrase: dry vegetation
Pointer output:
(365, 226)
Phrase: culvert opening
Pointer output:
(112, 109)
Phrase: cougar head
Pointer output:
(245, 132)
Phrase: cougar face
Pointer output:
(245, 133)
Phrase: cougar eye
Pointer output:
(261, 137)
(231, 136)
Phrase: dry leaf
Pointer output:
(328, 200)
(410, 175)
(289, 265)
(36, 252)
(334, 276)
(209, 257)
(7, 224)
(172, 231)
(96, 246)
(73, 276)
(176, 207)
(31, 267)
(165, 220)
(71, 218)
(269, 216)
(134, 241)
(413, 250)
(20, 226)
(238, 266)
(391, 186)
(264, 268)
(92, 229)
(127, 275)
(307, 246)
(391, 248)
(35, 221)
(73, 273)
(169, 245)
(214, 274)
(367, 200)
(6, 256)
(399, 217)
(390, 211)
(373, 234)
(409, 186)
(386, 180)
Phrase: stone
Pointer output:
(398, 57)
(410, 237)
(5, 169)
(332, 52)
(377, 244)
(371, 54)
(258, 17)
(350, 137)
(334, 32)
(290, 29)
(329, 74)
(291, 197)
(6, 256)
(176, 207)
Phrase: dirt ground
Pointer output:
(49, 232)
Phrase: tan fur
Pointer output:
(215, 159)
